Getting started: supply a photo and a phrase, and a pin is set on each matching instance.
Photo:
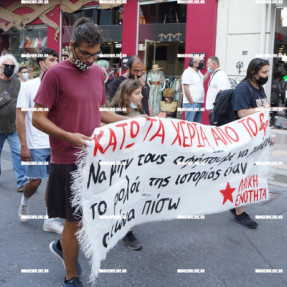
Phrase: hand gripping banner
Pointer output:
(150, 169)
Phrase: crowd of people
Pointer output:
(43, 123)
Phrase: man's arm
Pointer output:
(41, 122)
(21, 130)
(110, 117)
(187, 94)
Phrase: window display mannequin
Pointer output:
(156, 83)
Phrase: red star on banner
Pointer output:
(227, 193)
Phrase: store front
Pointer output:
(24, 44)
(158, 31)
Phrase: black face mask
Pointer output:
(8, 72)
(262, 81)
(200, 66)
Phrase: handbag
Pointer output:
(168, 107)
(5, 96)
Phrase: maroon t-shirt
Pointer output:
(73, 98)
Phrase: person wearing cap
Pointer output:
(156, 83)
(193, 91)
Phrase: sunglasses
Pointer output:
(9, 66)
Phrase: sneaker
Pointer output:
(20, 189)
(57, 252)
(53, 225)
(23, 213)
(73, 282)
(245, 220)
(131, 242)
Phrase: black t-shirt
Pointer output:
(145, 92)
(243, 99)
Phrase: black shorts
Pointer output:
(59, 192)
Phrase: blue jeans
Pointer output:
(40, 170)
(193, 116)
(19, 170)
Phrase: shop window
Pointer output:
(162, 29)
(109, 22)
(24, 44)
(169, 12)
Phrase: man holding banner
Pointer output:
(73, 91)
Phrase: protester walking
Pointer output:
(9, 90)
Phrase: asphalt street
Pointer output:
(226, 253)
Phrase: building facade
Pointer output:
(248, 29)
(161, 32)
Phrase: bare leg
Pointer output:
(31, 187)
(46, 195)
(70, 248)
(239, 210)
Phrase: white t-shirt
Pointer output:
(35, 138)
(194, 80)
(218, 82)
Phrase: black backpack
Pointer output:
(222, 112)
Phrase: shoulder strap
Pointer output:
(213, 76)
(250, 90)
(9, 90)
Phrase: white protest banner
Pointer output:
(150, 169)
